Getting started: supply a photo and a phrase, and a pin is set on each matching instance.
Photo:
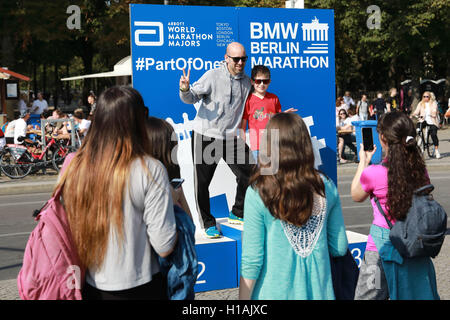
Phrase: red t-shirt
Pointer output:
(258, 112)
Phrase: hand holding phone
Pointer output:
(367, 139)
(176, 183)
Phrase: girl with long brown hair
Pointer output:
(293, 219)
(392, 182)
(164, 147)
(118, 202)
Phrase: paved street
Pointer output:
(18, 199)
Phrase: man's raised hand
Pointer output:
(184, 80)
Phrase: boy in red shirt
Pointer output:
(259, 107)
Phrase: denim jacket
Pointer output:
(408, 279)
(181, 266)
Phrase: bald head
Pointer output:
(235, 50)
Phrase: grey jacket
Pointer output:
(221, 99)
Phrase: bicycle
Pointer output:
(424, 141)
(17, 161)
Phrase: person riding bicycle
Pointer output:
(427, 111)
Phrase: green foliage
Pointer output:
(413, 39)
(375, 59)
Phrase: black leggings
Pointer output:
(153, 290)
(433, 132)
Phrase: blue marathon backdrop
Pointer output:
(296, 44)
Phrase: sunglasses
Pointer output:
(236, 59)
(258, 81)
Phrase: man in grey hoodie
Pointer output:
(220, 95)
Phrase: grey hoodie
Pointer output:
(221, 98)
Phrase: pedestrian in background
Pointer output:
(384, 273)
(392, 103)
(379, 105)
(92, 101)
(293, 220)
(348, 100)
(427, 111)
(39, 105)
(362, 108)
(118, 202)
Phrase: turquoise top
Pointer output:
(298, 271)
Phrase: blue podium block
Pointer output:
(234, 232)
(217, 261)
(357, 245)
(219, 206)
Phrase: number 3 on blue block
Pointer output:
(357, 250)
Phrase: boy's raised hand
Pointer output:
(184, 80)
(290, 110)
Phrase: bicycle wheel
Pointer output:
(13, 168)
(59, 156)
(420, 141)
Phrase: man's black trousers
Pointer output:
(206, 154)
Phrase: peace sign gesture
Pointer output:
(184, 80)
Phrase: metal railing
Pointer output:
(44, 123)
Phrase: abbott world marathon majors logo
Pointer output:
(179, 34)
(279, 45)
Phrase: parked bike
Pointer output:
(17, 161)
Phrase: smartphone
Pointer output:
(176, 183)
(367, 139)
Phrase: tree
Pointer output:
(379, 58)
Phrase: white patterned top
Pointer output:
(303, 239)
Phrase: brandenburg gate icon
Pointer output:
(315, 31)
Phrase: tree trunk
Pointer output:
(56, 86)
(34, 78)
(44, 78)
(87, 57)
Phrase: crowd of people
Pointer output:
(293, 220)
(21, 131)
(426, 113)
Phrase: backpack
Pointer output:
(422, 233)
(51, 267)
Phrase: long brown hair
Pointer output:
(289, 192)
(406, 166)
(94, 182)
(164, 142)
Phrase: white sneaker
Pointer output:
(437, 154)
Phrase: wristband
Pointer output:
(185, 90)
